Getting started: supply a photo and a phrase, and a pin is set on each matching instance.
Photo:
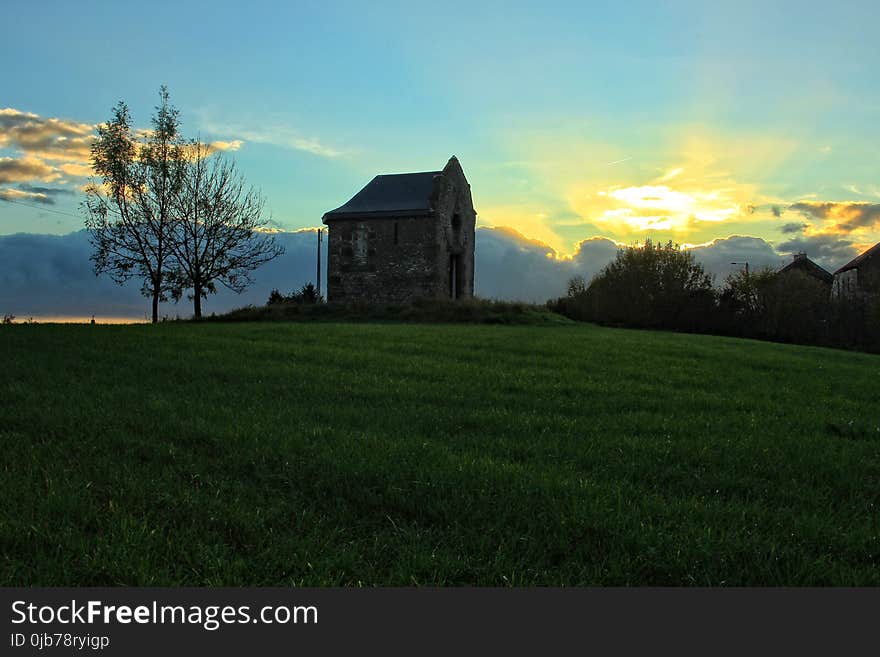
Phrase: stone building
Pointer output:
(860, 276)
(402, 237)
(801, 263)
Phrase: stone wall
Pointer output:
(456, 221)
(384, 260)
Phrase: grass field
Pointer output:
(312, 454)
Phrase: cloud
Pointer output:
(25, 168)
(220, 145)
(669, 175)
(795, 227)
(51, 275)
(51, 191)
(660, 207)
(275, 135)
(841, 217)
(76, 169)
(718, 255)
(46, 138)
(284, 137)
(50, 147)
(190, 150)
(830, 251)
(25, 192)
(19, 195)
(512, 266)
(44, 148)
(508, 265)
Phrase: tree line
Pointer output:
(172, 212)
(660, 286)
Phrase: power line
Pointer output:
(37, 207)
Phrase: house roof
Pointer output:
(859, 259)
(807, 266)
(390, 195)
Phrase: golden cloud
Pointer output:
(233, 145)
(27, 168)
(190, 150)
(841, 217)
(50, 147)
(47, 139)
(76, 169)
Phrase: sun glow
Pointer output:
(660, 207)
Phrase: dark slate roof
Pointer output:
(807, 266)
(390, 195)
(858, 260)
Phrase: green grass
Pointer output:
(316, 453)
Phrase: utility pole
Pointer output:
(320, 239)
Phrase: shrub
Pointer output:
(654, 286)
(308, 294)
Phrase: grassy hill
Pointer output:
(315, 453)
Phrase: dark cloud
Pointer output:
(777, 210)
(848, 215)
(830, 251)
(717, 256)
(52, 275)
(816, 210)
(32, 194)
(795, 227)
(592, 255)
(510, 266)
(48, 191)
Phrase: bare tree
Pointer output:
(129, 215)
(219, 231)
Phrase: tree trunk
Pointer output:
(197, 302)
(155, 305)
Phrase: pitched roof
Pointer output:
(390, 195)
(806, 265)
(859, 259)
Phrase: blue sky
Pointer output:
(690, 121)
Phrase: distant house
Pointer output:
(402, 237)
(860, 276)
(801, 263)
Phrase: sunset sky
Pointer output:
(691, 121)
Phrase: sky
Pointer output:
(574, 122)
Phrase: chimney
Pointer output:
(800, 256)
